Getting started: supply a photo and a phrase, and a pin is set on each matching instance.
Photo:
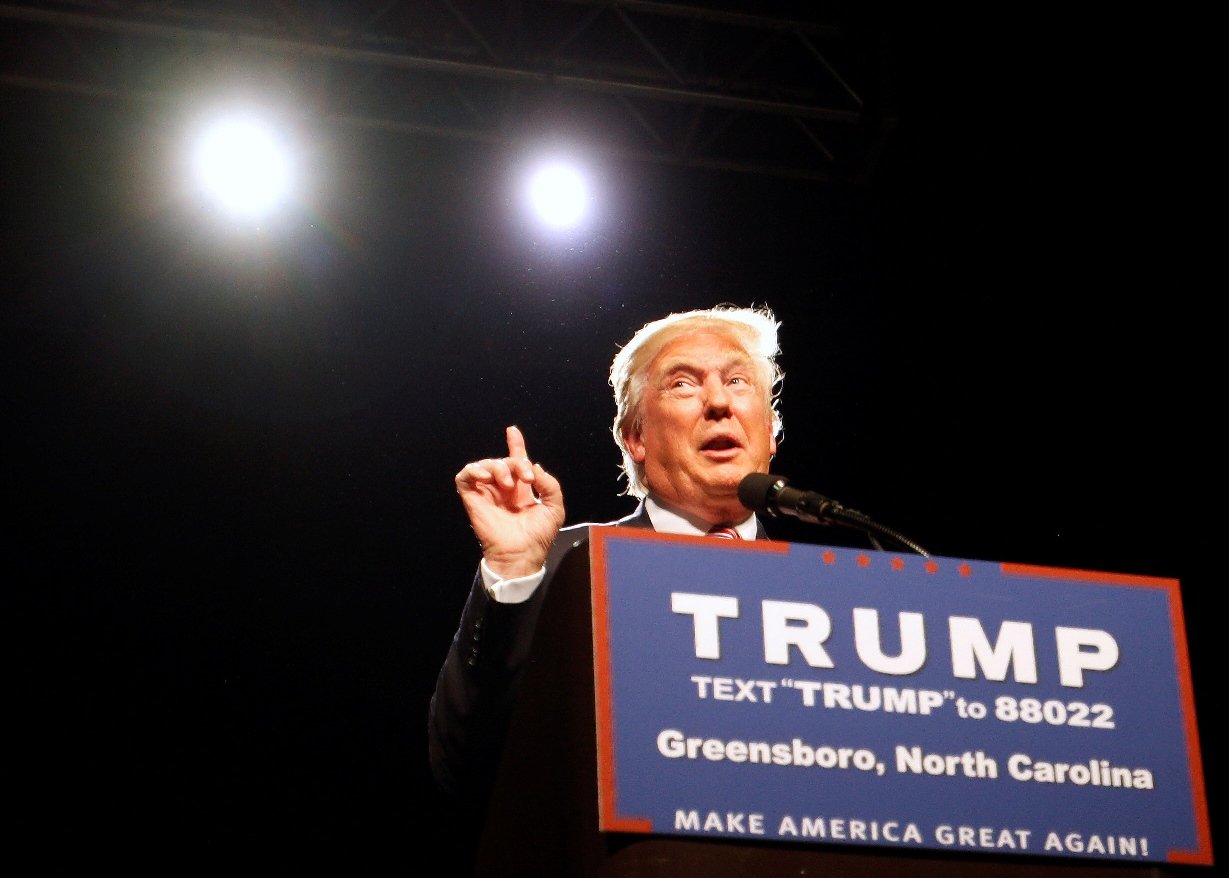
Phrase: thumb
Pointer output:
(549, 491)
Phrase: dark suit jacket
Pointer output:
(477, 685)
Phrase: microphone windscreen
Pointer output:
(756, 490)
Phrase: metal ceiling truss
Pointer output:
(711, 85)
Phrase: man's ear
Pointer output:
(635, 445)
(772, 448)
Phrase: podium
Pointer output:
(543, 815)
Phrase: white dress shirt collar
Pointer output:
(667, 519)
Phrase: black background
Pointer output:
(237, 553)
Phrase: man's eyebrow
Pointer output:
(679, 364)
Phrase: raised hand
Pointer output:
(514, 506)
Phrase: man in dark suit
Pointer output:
(695, 396)
(511, 726)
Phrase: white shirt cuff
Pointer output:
(509, 591)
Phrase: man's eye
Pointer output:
(738, 379)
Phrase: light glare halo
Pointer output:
(243, 166)
(559, 195)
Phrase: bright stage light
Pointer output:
(243, 166)
(559, 195)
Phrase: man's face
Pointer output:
(704, 424)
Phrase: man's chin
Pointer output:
(725, 479)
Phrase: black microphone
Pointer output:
(763, 492)
(772, 495)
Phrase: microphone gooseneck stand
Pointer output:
(853, 518)
(771, 494)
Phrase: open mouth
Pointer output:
(720, 443)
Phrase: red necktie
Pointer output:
(725, 533)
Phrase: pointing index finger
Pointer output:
(519, 458)
(516, 444)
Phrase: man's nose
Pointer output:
(716, 397)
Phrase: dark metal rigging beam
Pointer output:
(641, 95)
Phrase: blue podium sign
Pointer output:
(784, 692)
